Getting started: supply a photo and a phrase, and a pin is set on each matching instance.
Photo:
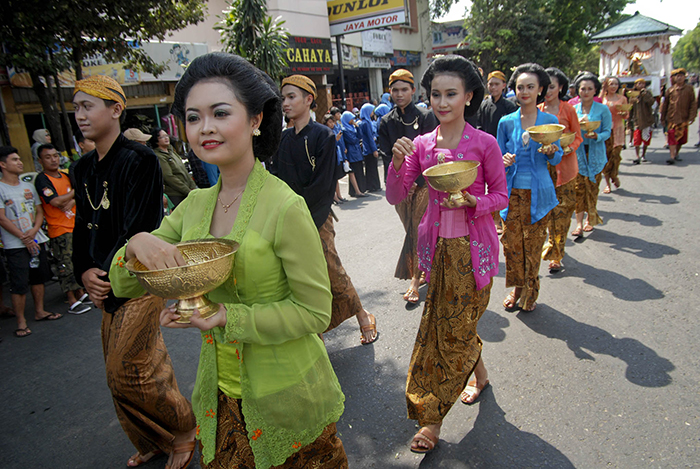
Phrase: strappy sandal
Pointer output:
(587, 228)
(411, 296)
(474, 390)
(187, 447)
(554, 267)
(606, 190)
(372, 327)
(511, 302)
(577, 233)
(426, 437)
(138, 459)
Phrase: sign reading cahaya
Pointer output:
(349, 16)
(309, 55)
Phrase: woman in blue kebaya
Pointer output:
(369, 148)
(591, 153)
(353, 153)
(530, 188)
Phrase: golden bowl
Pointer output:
(546, 135)
(633, 94)
(589, 126)
(452, 177)
(209, 264)
(623, 107)
(566, 140)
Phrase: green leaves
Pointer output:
(686, 53)
(248, 31)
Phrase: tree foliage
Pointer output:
(248, 31)
(686, 53)
(506, 33)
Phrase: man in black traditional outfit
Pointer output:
(406, 120)
(494, 106)
(118, 193)
(306, 161)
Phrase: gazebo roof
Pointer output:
(635, 26)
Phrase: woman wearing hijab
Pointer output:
(379, 112)
(354, 153)
(41, 137)
(369, 149)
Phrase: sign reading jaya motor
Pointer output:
(308, 55)
(350, 16)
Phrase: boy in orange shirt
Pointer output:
(58, 200)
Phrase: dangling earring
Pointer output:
(256, 133)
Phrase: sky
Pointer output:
(683, 14)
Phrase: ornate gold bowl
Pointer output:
(209, 264)
(589, 127)
(566, 140)
(546, 135)
(633, 94)
(453, 178)
(623, 107)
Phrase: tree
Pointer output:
(248, 31)
(686, 53)
(44, 37)
(506, 33)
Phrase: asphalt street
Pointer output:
(605, 373)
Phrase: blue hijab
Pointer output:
(385, 99)
(366, 112)
(381, 111)
(345, 119)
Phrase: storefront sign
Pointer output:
(405, 58)
(349, 16)
(448, 36)
(374, 62)
(176, 55)
(377, 42)
(351, 57)
(309, 55)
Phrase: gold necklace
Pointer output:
(414, 123)
(104, 202)
(227, 206)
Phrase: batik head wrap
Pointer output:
(679, 70)
(401, 75)
(103, 87)
(497, 74)
(640, 80)
(302, 82)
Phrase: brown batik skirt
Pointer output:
(233, 448)
(411, 210)
(140, 375)
(346, 302)
(560, 221)
(447, 346)
(612, 167)
(522, 247)
(587, 197)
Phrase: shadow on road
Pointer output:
(495, 443)
(644, 220)
(631, 245)
(492, 327)
(649, 175)
(627, 289)
(644, 366)
(646, 198)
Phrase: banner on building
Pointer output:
(377, 42)
(448, 36)
(351, 57)
(176, 56)
(405, 58)
(368, 61)
(309, 55)
(351, 16)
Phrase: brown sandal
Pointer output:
(511, 302)
(425, 436)
(139, 459)
(411, 296)
(472, 389)
(187, 447)
(372, 327)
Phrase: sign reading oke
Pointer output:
(349, 16)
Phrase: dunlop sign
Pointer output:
(350, 16)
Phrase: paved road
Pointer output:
(603, 374)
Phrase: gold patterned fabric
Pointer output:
(140, 375)
(401, 75)
(587, 197)
(411, 211)
(560, 221)
(612, 167)
(103, 87)
(346, 302)
(447, 346)
(233, 448)
(522, 247)
(300, 81)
